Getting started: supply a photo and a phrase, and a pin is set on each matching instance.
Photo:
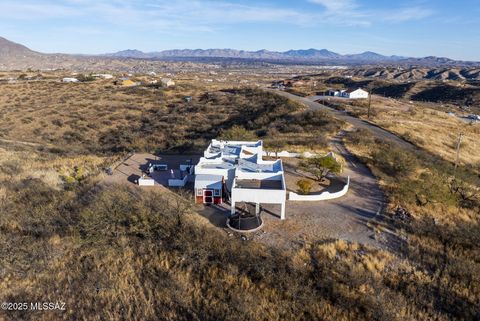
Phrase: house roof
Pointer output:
(208, 181)
(352, 90)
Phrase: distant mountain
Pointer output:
(312, 53)
(373, 56)
(17, 56)
(305, 55)
(9, 49)
(129, 53)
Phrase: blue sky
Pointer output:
(403, 27)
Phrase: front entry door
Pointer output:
(208, 196)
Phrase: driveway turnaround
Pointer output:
(350, 217)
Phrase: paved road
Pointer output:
(356, 122)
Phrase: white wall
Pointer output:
(146, 182)
(259, 196)
(358, 94)
(260, 176)
(320, 197)
(178, 182)
(263, 196)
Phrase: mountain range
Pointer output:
(17, 56)
(322, 56)
(290, 55)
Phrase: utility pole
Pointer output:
(457, 158)
(369, 103)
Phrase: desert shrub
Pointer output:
(304, 186)
(85, 78)
(122, 243)
(237, 133)
(428, 188)
(394, 161)
(57, 122)
(360, 137)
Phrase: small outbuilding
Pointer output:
(69, 80)
(167, 82)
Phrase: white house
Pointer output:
(167, 82)
(236, 170)
(103, 76)
(349, 94)
(70, 80)
(355, 94)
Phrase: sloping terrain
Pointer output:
(458, 93)
(417, 73)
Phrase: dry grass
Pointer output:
(423, 124)
(115, 253)
(433, 130)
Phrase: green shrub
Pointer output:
(394, 161)
(237, 133)
(321, 167)
(304, 186)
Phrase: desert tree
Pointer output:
(321, 166)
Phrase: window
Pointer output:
(217, 192)
(199, 192)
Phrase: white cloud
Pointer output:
(407, 14)
(200, 15)
(336, 5)
(350, 12)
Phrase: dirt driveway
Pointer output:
(348, 217)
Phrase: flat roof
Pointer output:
(246, 165)
(222, 164)
(208, 181)
(258, 184)
(208, 177)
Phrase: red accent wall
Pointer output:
(216, 199)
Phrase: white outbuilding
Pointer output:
(355, 94)
(68, 80)
(167, 82)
